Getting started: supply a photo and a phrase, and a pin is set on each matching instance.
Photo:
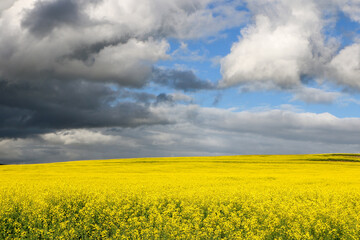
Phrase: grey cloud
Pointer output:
(217, 99)
(126, 63)
(46, 16)
(314, 95)
(142, 97)
(86, 53)
(344, 67)
(103, 40)
(5, 4)
(164, 98)
(153, 99)
(184, 80)
(196, 131)
(282, 124)
(29, 109)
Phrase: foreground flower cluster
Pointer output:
(239, 197)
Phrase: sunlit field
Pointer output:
(235, 197)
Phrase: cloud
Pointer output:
(344, 68)
(283, 46)
(184, 80)
(46, 16)
(164, 98)
(78, 136)
(172, 98)
(283, 124)
(314, 95)
(5, 4)
(180, 97)
(194, 131)
(29, 108)
(127, 64)
(142, 97)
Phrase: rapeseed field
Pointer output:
(235, 197)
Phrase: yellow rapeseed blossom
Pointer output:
(235, 197)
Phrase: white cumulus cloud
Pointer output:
(344, 68)
(282, 45)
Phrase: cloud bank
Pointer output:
(196, 131)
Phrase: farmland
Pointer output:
(230, 197)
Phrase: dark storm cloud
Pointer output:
(184, 80)
(148, 98)
(85, 53)
(142, 97)
(164, 98)
(46, 16)
(217, 99)
(45, 106)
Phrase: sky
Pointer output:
(102, 79)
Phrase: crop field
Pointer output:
(234, 197)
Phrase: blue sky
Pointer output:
(109, 79)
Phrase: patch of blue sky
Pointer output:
(346, 30)
(345, 106)
(342, 108)
(201, 56)
(245, 101)
(232, 98)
